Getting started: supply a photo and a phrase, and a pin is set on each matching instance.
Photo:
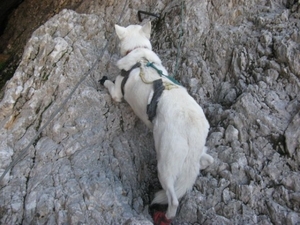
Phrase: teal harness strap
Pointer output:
(150, 64)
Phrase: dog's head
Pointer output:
(134, 36)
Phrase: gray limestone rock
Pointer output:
(95, 163)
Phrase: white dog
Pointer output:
(178, 122)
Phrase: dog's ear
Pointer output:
(147, 29)
(121, 31)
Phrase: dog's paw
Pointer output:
(159, 218)
(205, 161)
(103, 79)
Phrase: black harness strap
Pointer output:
(126, 74)
(158, 89)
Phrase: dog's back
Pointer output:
(180, 131)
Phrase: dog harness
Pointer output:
(158, 86)
(158, 89)
(125, 74)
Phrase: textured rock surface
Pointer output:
(18, 19)
(95, 162)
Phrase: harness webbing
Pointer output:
(158, 89)
(125, 74)
(158, 86)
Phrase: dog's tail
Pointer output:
(205, 160)
(185, 182)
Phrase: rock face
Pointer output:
(94, 163)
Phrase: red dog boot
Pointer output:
(160, 218)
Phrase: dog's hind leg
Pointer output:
(167, 183)
(160, 218)
(172, 202)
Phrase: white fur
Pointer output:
(179, 128)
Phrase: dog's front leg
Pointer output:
(114, 88)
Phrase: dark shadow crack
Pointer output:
(27, 185)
